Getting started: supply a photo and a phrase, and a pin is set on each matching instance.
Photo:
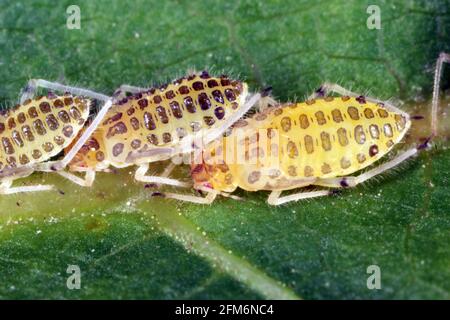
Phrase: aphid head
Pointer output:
(90, 155)
(200, 176)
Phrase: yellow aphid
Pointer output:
(35, 131)
(322, 138)
(40, 128)
(152, 124)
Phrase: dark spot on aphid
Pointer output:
(11, 123)
(157, 194)
(143, 103)
(373, 150)
(39, 127)
(418, 117)
(212, 83)
(176, 110)
(68, 131)
(47, 146)
(11, 161)
(153, 139)
(204, 101)
(58, 103)
(28, 134)
(136, 143)
(224, 81)
(197, 85)
(219, 112)
(167, 137)
(118, 128)
(353, 113)
(162, 114)
(131, 111)
(117, 149)
(52, 122)
(45, 107)
(61, 192)
(382, 113)
(183, 90)
(157, 99)
(326, 168)
(36, 154)
(7, 146)
(58, 140)
(189, 104)
(320, 116)
(150, 185)
(17, 138)
(218, 96)
(134, 123)
(21, 117)
(292, 171)
(170, 94)
(286, 124)
(149, 122)
(361, 99)
(99, 156)
(254, 176)
(116, 117)
(230, 95)
(209, 121)
(64, 116)
(68, 101)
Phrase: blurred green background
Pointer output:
(131, 246)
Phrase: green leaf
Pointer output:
(129, 245)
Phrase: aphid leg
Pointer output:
(122, 91)
(60, 164)
(443, 58)
(212, 194)
(5, 188)
(168, 170)
(346, 182)
(87, 181)
(275, 198)
(327, 87)
(142, 170)
(33, 84)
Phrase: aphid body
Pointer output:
(288, 146)
(160, 118)
(39, 129)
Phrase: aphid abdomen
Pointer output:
(163, 117)
(315, 139)
(40, 128)
(335, 136)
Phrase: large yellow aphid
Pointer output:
(40, 128)
(155, 124)
(319, 142)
